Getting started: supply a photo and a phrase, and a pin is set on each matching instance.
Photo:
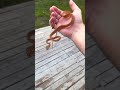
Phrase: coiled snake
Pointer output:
(67, 15)
(54, 38)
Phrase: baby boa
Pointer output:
(53, 36)
(31, 49)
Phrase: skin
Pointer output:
(76, 32)
(67, 15)
(102, 21)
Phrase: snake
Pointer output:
(31, 49)
(53, 37)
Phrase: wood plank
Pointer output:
(13, 60)
(63, 39)
(96, 71)
(5, 16)
(102, 80)
(14, 23)
(109, 75)
(19, 22)
(54, 51)
(5, 72)
(63, 76)
(56, 58)
(21, 75)
(23, 85)
(14, 51)
(89, 43)
(56, 67)
(70, 82)
(93, 71)
(72, 50)
(93, 56)
(79, 85)
(44, 29)
(13, 32)
(49, 65)
(31, 88)
(10, 22)
(42, 42)
(12, 39)
(16, 7)
(53, 59)
(48, 52)
(87, 36)
(25, 11)
(50, 60)
(114, 85)
(13, 45)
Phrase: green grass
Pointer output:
(42, 10)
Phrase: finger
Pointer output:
(73, 6)
(51, 9)
(57, 10)
(57, 16)
(52, 14)
(52, 21)
(56, 21)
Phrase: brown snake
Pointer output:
(66, 15)
(31, 49)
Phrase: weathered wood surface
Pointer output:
(62, 67)
(100, 73)
(16, 69)
(59, 68)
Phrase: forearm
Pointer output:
(78, 38)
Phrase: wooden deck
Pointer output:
(16, 69)
(100, 73)
(60, 67)
(63, 66)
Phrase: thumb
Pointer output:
(73, 6)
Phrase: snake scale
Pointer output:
(53, 36)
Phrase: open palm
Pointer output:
(57, 20)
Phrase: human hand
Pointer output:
(76, 31)
(57, 20)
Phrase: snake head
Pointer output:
(47, 47)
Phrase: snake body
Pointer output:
(55, 38)
(31, 49)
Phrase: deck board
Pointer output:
(16, 69)
(61, 67)
(51, 70)
(99, 70)
(58, 66)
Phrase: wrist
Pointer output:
(78, 31)
(78, 37)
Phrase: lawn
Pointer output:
(42, 10)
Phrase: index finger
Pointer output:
(55, 9)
